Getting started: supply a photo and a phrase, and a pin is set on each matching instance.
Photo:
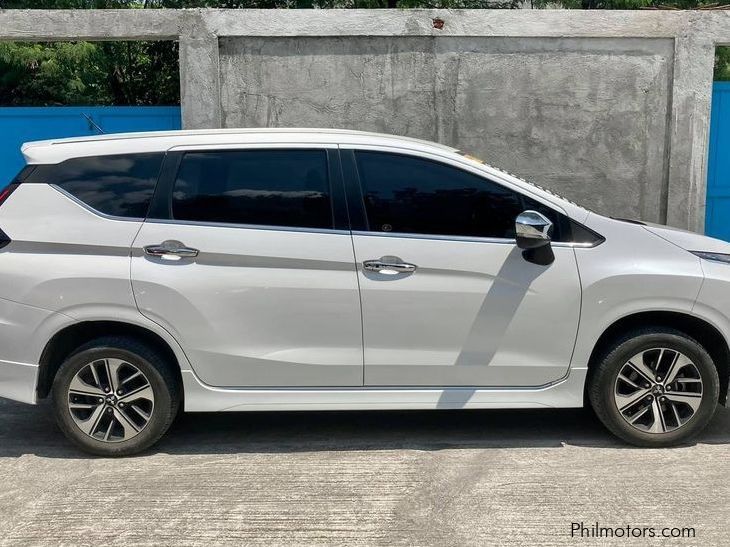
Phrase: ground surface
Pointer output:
(380, 478)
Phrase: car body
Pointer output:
(300, 269)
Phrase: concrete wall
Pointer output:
(610, 109)
(585, 117)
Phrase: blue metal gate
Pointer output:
(22, 124)
(717, 214)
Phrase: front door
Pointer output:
(243, 263)
(447, 297)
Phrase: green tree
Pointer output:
(100, 73)
(140, 73)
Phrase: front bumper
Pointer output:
(18, 381)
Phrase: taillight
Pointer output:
(5, 192)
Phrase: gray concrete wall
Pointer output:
(584, 117)
(610, 109)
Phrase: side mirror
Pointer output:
(532, 230)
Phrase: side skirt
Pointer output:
(565, 393)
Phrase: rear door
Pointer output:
(247, 260)
(447, 297)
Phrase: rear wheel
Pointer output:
(115, 396)
(655, 387)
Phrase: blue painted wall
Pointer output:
(22, 124)
(717, 214)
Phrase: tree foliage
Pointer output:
(146, 73)
(84, 73)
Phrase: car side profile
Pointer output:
(307, 269)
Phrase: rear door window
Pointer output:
(119, 185)
(272, 187)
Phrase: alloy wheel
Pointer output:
(111, 400)
(658, 390)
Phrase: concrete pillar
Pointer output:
(694, 53)
(200, 82)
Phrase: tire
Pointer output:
(122, 421)
(668, 413)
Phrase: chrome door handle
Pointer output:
(170, 250)
(388, 267)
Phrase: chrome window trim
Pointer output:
(95, 211)
(263, 227)
(467, 239)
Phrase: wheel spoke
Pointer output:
(659, 361)
(112, 371)
(693, 401)
(95, 374)
(144, 392)
(84, 388)
(89, 425)
(658, 426)
(146, 417)
(676, 413)
(83, 406)
(680, 361)
(626, 379)
(109, 430)
(626, 401)
(130, 430)
(633, 419)
(130, 378)
(637, 363)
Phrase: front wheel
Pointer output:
(656, 387)
(115, 396)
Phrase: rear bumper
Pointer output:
(18, 381)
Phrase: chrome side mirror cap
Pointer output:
(532, 230)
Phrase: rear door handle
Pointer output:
(171, 250)
(389, 266)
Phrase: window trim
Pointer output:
(90, 209)
(470, 239)
(161, 206)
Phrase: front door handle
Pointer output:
(170, 250)
(389, 265)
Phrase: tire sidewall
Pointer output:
(609, 412)
(156, 427)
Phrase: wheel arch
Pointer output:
(701, 330)
(69, 338)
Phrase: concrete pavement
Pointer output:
(378, 478)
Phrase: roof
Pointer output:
(57, 150)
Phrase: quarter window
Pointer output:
(406, 194)
(121, 185)
(262, 187)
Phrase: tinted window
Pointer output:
(268, 187)
(120, 185)
(412, 195)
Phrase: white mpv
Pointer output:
(301, 269)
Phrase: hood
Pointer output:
(689, 241)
